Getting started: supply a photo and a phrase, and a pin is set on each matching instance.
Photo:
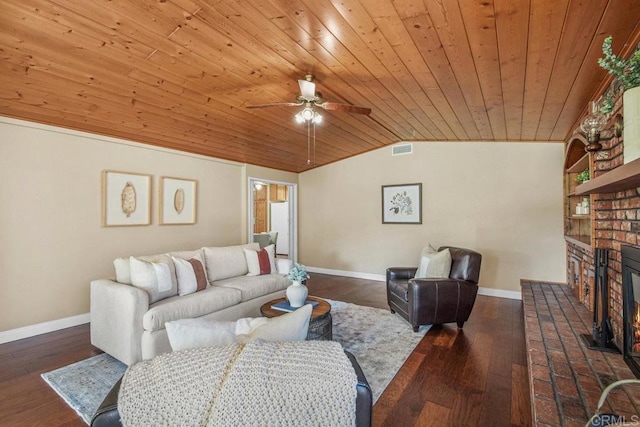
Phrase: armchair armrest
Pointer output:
(107, 414)
(401, 273)
(364, 397)
(116, 319)
(436, 301)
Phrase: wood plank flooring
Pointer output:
(474, 377)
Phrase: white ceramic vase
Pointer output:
(631, 117)
(297, 294)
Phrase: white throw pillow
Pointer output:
(190, 274)
(187, 255)
(123, 270)
(271, 251)
(292, 326)
(422, 261)
(154, 277)
(195, 333)
(435, 265)
(283, 265)
(253, 262)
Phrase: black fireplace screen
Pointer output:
(631, 307)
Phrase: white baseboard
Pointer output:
(491, 292)
(355, 275)
(500, 293)
(43, 328)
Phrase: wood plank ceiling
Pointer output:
(179, 73)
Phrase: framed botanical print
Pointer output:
(402, 204)
(126, 198)
(178, 200)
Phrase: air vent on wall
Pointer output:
(400, 149)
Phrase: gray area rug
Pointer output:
(379, 340)
(85, 384)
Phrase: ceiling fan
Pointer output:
(310, 99)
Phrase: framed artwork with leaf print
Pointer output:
(402, 204)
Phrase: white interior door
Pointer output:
(279, 215)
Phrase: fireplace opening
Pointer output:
(631, 307)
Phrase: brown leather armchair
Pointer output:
(436, 301)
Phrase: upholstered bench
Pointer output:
(107, 414)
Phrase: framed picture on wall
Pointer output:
(178, 200)
(402, 204)
(126, 198)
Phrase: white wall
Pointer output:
(51, 240)
(501, 199)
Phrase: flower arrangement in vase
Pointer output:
(298, 273)
(625, 71)
(297, 292)
(627, 79)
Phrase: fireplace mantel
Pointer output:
(622, 178)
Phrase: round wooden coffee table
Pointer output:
(320, 325)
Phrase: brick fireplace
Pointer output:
(616, 222)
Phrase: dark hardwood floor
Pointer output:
(471, 377)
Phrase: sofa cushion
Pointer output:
(255, 286)
(227, 261)
(207, 301)
(157, 276)
(187, 255)
(191, 274)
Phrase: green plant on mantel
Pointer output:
(625, 71)
(583, 176)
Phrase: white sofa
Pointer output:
(125, 325)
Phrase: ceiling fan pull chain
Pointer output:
(308, 142)
(314, 143)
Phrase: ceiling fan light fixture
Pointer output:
(307, 113)
(298, 117)
(317, 118)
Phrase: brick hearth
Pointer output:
(565, 377)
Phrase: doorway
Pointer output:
(272, 216)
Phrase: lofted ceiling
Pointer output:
(180, 73)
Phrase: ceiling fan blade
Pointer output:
(307, 89)
(345, 107)
(276, 104)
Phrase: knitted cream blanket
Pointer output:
(308, 383)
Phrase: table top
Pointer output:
(321, 309)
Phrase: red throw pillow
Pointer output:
(198, 270)
(263, 260)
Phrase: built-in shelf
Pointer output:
(582, 241)
(580, 165)
(621, 178)
(587, 216)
